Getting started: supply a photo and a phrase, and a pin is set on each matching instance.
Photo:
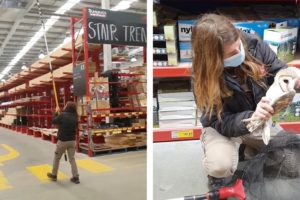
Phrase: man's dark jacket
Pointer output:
(240, 106)
(67, 125)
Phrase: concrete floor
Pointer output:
(116, 176)
(177, 170)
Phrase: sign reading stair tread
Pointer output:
(121, 28)
(79, 80)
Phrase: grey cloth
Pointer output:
(240, 106)
(61, 148)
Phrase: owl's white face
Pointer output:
(286, 83)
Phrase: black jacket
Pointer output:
(67, 125)
(240, 106)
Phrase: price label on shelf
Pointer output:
(182, 134)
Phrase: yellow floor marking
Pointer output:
(3, 182)
(135, 166)
(93, 166)
(125, 157)
(40, 171)
(10, 155)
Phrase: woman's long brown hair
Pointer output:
(209, 36)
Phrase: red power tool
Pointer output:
(236, 191)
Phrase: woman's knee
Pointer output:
(221, 159)
(220, 167)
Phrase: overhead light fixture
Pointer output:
(41, 55)
(24, 67)
(133, 59)
(67, 37)
(123, 5)
(49, 23)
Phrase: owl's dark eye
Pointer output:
(286, 81)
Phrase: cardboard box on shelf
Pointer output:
(20, 87)
(178, 114)
(176, 96)
(171, 47)
(93, 104)
(177, 105)
(282, 41)
(173, 59)
(253, 27)
(99, 88)
(185, 28)
(185, 51)
(120, 139)
(142, 100)
(170, 33)
(178, 123)
(103, 104)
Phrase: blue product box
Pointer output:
(253, 27)
(185, 51)
(291, 22)
(185, 28)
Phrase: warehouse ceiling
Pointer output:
(19, 21)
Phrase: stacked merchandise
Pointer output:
(9, 117)
(165, 50)
(171, 43)
(115, 107)
(99, 92)
(160, 58)
(126, 140)
(176, 105)
(2, 113)
(185, 27)
(177, 110)
(282, 41)
(137, 87)
(155, 113)
(21, 116)
(263, 21)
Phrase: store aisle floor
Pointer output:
(24, 161)
(178, 169)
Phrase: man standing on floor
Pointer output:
(66, 136)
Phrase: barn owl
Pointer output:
(280, 94)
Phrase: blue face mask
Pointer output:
(237, 59)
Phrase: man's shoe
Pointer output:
(52, 177)
(75, 180)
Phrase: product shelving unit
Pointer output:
(193, 133)
(184, 70)
(94, 124)
(34, 95)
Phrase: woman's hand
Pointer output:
(264, 110)
(297, 84)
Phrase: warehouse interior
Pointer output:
(41, 44)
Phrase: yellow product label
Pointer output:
(183, 134)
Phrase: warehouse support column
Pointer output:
(107, 59)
